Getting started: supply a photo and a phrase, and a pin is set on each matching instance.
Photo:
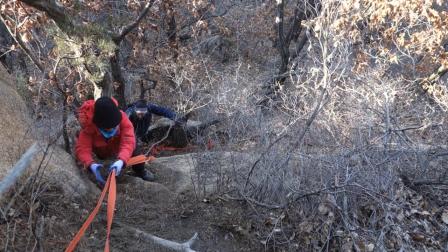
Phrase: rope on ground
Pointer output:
(111, 187)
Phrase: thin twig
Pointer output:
(161, 140)
(259, 159)
(332, 188)
(39, 233)
(253, 201)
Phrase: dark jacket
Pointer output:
(142, 125)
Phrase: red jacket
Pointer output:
(91, 141)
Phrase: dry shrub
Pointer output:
(330, 154)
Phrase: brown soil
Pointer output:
(157, 208)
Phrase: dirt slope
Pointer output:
(167, 208)
(46, 215)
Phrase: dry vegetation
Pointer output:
(344, 151)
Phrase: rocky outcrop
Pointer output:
(16, 135)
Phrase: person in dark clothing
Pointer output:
(140, 114)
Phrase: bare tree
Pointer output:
(287, 32)
(102, 74)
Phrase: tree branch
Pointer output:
(115, 60)
(181, 247)
(55, 11)
(423, 182)
(18, 169)
(128, 28)
(22, 45)
(204, 17)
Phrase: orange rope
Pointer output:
(112, 197)
(139, 159)
(111, 187)
(159, 148)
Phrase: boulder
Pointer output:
(57, 167)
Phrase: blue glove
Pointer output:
(95, 168)
(117, 166)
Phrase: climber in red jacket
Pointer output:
(106, 132)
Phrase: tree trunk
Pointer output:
(56, 12)
(283, 45)
(64, 126)
(171, 32)
(115, 61)
(18, 169)
(106, 85)
(117, 75)
(284, 41)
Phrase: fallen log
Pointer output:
(18, 169)
(181, 247)
(179, 135)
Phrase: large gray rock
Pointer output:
(16, 135)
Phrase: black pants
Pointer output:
(138, 168)
(146, 137)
